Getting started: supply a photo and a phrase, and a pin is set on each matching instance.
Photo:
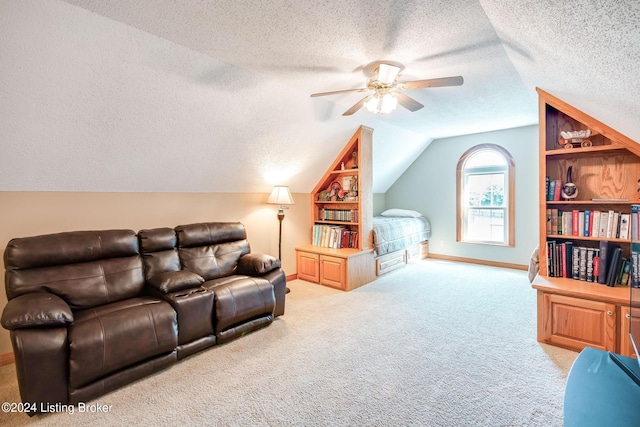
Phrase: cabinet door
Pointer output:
(308, 267)
(626, 348)
(577, 323)
(332, 271)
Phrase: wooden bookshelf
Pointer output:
(575, 313)
(344, 268)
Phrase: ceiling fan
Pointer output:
(386, 90)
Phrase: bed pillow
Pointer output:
(401, 212)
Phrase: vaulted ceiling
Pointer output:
(213, 95)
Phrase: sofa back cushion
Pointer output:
(212, 249)
(158, 247)
(84, 268)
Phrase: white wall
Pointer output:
(429, 186)
(91, 104)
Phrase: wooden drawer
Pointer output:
(418, 252)
(389, 262)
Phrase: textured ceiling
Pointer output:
(217, 92)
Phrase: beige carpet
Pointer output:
(434, 344)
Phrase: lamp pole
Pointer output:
(280, 218)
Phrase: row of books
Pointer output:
(589, 223)
(635, 246)
(327, 236)
(346, 215)
(554, 189)
(604, 264)
(635, 265)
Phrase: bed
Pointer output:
(399, 236)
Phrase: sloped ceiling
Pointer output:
(159, 95)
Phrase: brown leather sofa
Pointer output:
(91, 311)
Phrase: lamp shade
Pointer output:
(280, 195)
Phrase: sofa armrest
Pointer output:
(174, 281)
(35, 310)
(257, 264)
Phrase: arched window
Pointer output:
(486, 182)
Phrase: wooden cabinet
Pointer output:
(576, 313)
(332, 271)
(626, 318)
(341, 254)
(344, 269)
(577, 323)
(308, 265)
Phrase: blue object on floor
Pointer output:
(599, 392)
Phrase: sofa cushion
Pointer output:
(212, 249)
(82, 285)
(105, 339)
(209, 233)
(239, 299)
(173, 281)
(212, 262)
(159, 252)
(84, 268)
(69, 247)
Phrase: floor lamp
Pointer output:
(280, 195)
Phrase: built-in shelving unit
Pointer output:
(340, 254)
(575, 313)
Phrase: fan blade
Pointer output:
(419, 84)
(335, 92)
(358, 105)
(407, 102)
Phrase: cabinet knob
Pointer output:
(628, 316)
(610, 312)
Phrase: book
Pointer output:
(557, 190)
(625, 270)
(575, 217)
(589, 264)
(554, 221)
(604, 219)
(587, 223)
(634, 222)
(610, 217)
(568, 259)
(606, 252)
(614, 266)
(580, 223)
(551, 187)
(596, 266)
(625, 220)
(595, 227)
(582, 270)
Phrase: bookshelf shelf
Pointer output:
(587, 238)
(596, 150)
(590, 202)
(576, 313)
(345, 223)
(338, 202)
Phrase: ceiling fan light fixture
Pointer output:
(382, 103)
(387, 74)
